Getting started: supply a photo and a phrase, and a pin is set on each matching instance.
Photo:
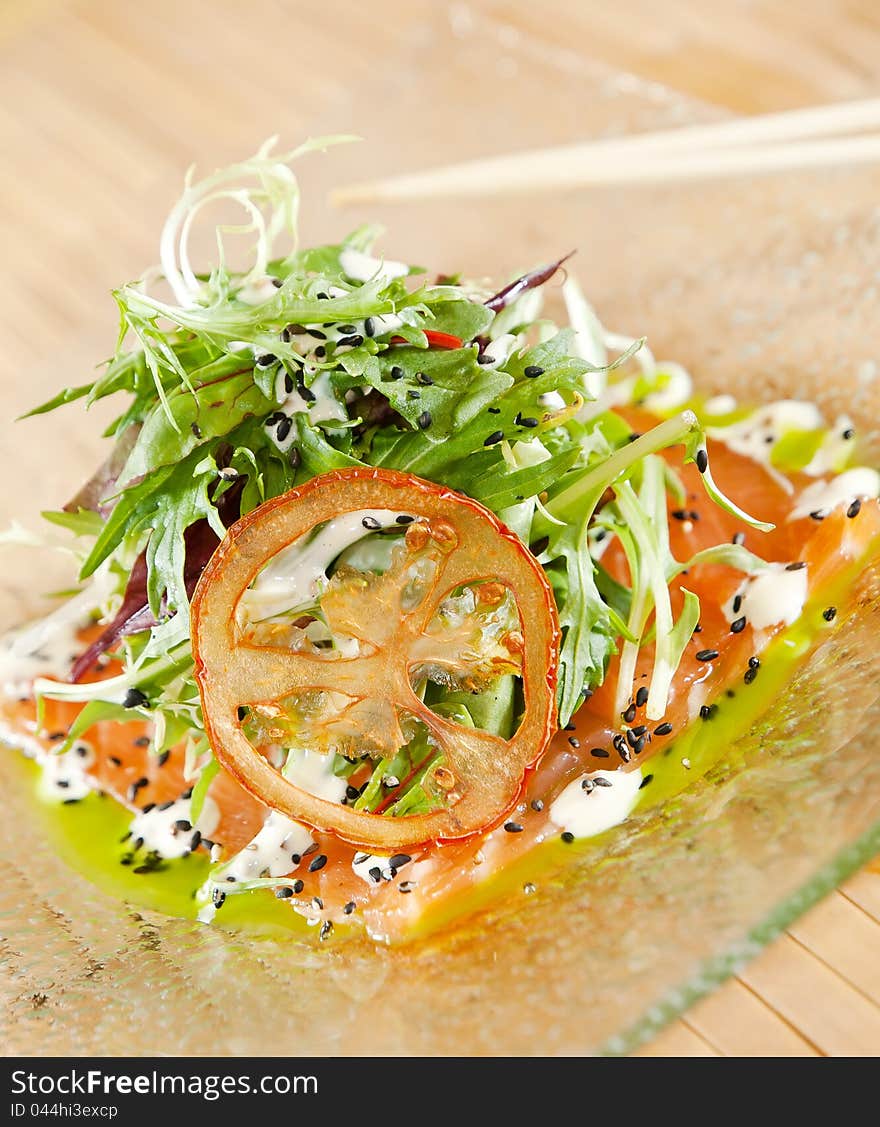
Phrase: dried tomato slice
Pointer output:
(437, 610)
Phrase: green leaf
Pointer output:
(200, 790)
(84, 522)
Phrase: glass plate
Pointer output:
(761, 287)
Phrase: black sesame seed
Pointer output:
(631, 738)
(737, 603)
(283, 893)
(679, 514)
(355, 341)
(320, 352)
(411, 394)
(647, 779)
(707, 711)
(513, 827)
(318, 863)
(134, 698)
(196, 840)
(350, 906)
(599, 753)
(317, 334)
(266, 359)
(405, 886)
(750, 675)
(854, 509)
(494, 410)
(396, 373)
(424, 379)
(196, 429)
(529, 422)
(754, 662)
(600, 782)
(707, 655)
(284, 428)
(641, 697)
(371, 523)
(663, 729)
(370, 327)
(309, 850)
(404, 518)
(399, 860)
(619, 744)
(375, 874)
(183, 824)
(537, 804)
(738, 625)
(242, 712)
(346, 330)
(795, 566)
(574, 741)
(630, 714)
(495, 437)
(849, 433)
(485, 358)
(298, 886)
(274, 419)
(305, 393)
(115, 760)
(817, 514)
(567, 837)
(137, 785)
(532, 371)
(150, 806)
(424, 420)
(829, 614)
(702, 461)
(294, 457)
(639, 730)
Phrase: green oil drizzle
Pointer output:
(81, 832)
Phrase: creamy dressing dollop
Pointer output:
(587, 810)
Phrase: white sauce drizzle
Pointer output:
(270, 852)
(364, 862)
(498, 350)
(365, 268)
(297, 575)
(48, 646)
(312, 772)
(770, 597)
(324, 408)
(64, 777)
(823, 496)
(586, 813)
(720, 405)
(160, 833)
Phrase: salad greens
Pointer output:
(238, 385)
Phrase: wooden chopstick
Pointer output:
(769, 142)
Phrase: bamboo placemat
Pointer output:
(130, 94)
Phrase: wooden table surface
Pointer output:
(129, 93)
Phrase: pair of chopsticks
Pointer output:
(820, 136)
